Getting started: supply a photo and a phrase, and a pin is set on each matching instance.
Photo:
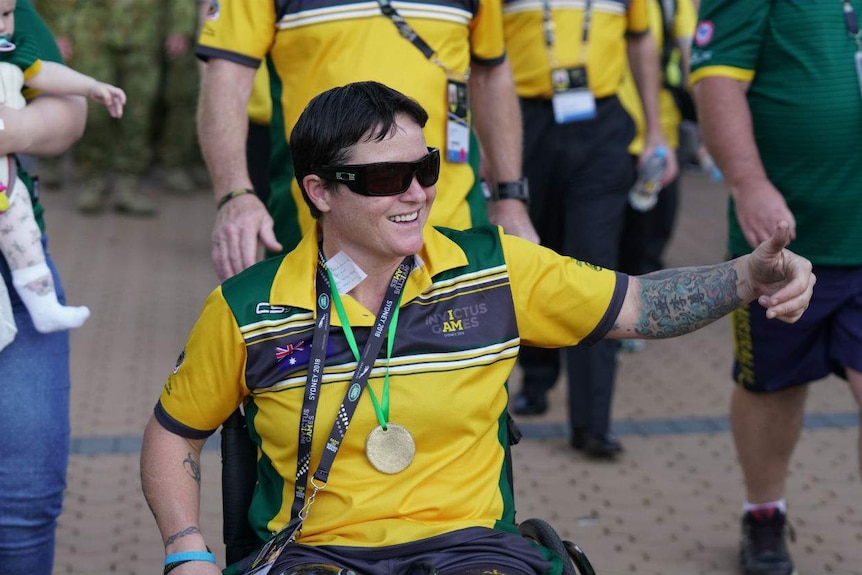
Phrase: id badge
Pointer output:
(858, 57)
(572, 100)
(270, 552)
(457, 122)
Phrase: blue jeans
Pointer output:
(34, 439)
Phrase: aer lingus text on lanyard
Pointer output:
(853, 29)
(572, 100)
(389, 447)
(457, 99)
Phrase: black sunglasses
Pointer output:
(384, 178)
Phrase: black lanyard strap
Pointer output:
(312, 385)
(405, 29)
(354, 390)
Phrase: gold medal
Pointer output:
(391, 450)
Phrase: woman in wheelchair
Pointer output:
(371, 362)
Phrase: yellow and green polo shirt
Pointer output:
(474, 297)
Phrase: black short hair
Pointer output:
(335, 120)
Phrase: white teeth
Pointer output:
(405, 218)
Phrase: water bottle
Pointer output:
(644, 194)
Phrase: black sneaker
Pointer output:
(764, 549)
(596, 446)
(529, 404)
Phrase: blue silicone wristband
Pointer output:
(190, 556)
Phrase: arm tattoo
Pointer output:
(678, 301)
(194, 469)
(183, 533)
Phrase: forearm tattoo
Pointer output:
(183, 533)
(193, 468)
(675, 302)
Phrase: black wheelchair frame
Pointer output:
(239, 476)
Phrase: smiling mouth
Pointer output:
(405, 218)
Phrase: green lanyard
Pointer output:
(380, 408)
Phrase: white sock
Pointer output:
(36, 288)
(781, 505)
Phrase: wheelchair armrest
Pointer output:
(239, 477)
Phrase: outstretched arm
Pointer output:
(59, 79)
(171, 477)
(673, 302)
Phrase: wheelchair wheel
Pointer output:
(575, 561)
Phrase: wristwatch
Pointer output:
(511, 191)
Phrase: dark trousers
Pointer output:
(645, 235)
(579, 174)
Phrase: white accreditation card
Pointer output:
(574, 105)
(457, 122)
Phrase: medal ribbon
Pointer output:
(386, 316)
(381, 409)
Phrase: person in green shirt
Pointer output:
(778, 92)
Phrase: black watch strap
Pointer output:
(511, 191)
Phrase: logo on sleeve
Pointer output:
(213, 11)
(180, 360)
(704, 32)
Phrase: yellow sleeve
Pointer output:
(487, 43)
(239, 31)
(208, 381)
(638, 17)
(685, 21)
(560, 301)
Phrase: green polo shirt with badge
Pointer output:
(806, 111)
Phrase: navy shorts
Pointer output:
(771, 355)
(462, 552)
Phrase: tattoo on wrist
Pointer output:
(180, 534)
(193, 468)
(675, 302)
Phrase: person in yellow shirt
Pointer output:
(568, 59)
(645, 234)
